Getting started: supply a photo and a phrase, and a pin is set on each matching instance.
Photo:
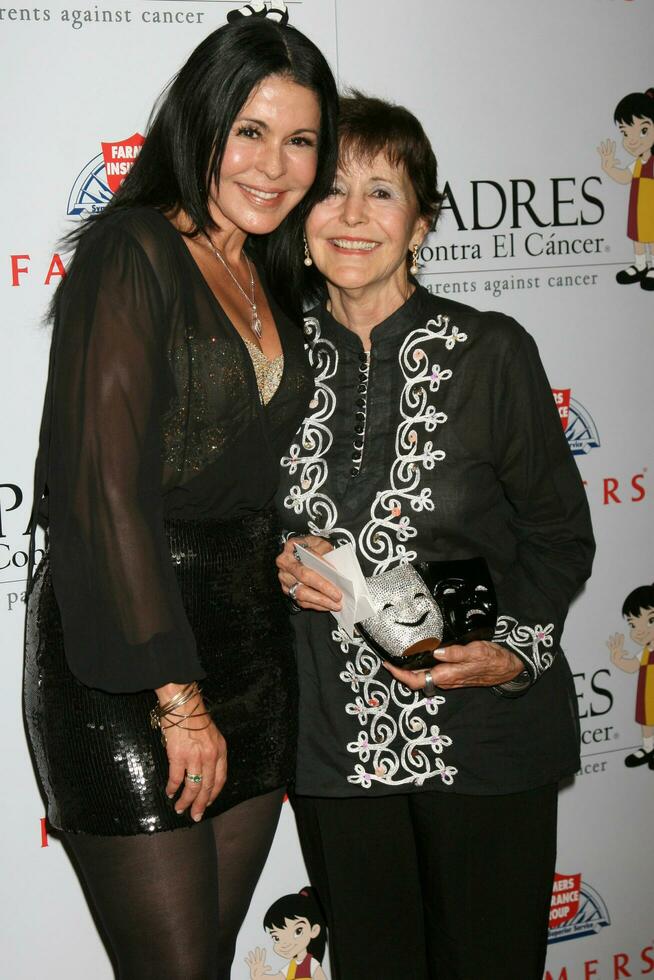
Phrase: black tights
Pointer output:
(171, 905)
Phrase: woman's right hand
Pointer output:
(196, 748)
(313, 591)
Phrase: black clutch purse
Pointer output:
(427, 605)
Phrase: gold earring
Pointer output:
(414, 267)
(307, 254)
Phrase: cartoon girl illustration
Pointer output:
(297, 929)
(634, 116)
(638, 609)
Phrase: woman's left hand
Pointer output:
(477, 664)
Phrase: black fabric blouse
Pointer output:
(152, 412)
(444, 442)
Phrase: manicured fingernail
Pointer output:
(198, 817)
(170, 795)
(179, 812)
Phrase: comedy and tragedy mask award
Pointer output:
(421, 607)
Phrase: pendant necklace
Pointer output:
(255, 322)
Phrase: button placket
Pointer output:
(360, 413)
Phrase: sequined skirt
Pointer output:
(102, 768)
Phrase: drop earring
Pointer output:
(414, 268)
(307, 254)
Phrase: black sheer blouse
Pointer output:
(152, 412)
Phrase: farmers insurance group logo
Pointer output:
(576, 909)
(101, 177)
(578, 425)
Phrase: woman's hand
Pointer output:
(313, 591)
(197, 748)
(477, 664)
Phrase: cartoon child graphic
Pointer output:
(297, 929)
(638, 608)
(634, 116)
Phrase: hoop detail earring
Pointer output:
(414, 268)
(307, 254)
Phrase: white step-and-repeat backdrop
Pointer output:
(517, 97)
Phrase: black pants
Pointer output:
(433, 886)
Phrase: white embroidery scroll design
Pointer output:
(399, 742)
(314, 439)
(533, 644)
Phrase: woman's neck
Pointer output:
(225, 236)
(363, 308)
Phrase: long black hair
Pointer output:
(192, 119)
(301, 905)
(637, 105)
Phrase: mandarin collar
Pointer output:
(394, 326)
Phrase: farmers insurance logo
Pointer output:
(101, 177)
(578, 425)
(576, 909)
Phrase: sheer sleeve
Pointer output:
(550, 517)
(124, 624)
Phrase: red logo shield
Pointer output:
(562, 400)
(119, 159)
(565, 899)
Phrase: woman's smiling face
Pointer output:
(270, 158)
(361, 232)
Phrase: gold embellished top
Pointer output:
(268, 371)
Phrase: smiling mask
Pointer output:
(408, 619)
(431, 605)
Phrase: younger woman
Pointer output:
(175, 382)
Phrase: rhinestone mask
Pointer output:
(433, 604)
(408, 618)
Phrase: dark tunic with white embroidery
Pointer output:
(443, 443)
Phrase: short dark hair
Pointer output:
(191, 122)
(368, 126)
(636, 105)
(638, 601)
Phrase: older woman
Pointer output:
(175, 382)
(427, 800)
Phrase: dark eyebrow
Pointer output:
(263, 125)
(257, 122)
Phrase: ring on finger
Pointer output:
(430, 687)
(194, 777)
(292, 592)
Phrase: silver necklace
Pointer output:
(255, 323)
